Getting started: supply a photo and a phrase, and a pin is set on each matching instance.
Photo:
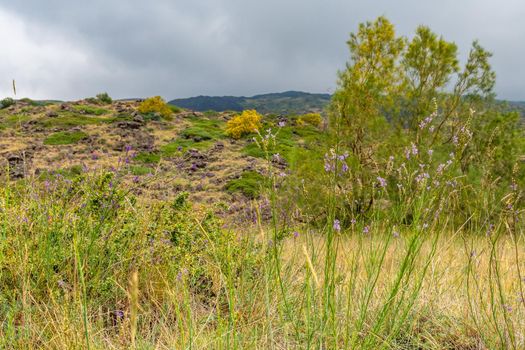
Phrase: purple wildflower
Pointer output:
(366, 229)
(407, 153)
(337, 225)
(119, 314)
(415, 151)
(490, 229)
(382, 182)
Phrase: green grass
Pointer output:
(181, 145)
(14, 120)
(90, 109)
(285, 144)
(71, 119)
(139, 170)
(76, 253)
(204, 129)
(148, 157)
(249, 184)
(201, 135)
(65, 138)
(68, 173)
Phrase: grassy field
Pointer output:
(85, 264)
(164, 233)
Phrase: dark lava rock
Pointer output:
(138, 118)
(17, 165)
(129, 124)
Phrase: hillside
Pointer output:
(162, 156)
(290, 102)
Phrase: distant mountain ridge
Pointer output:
(288, 102)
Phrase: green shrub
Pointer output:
(284, 144)
(197, 133)
(104, 98)
(65, 138)
(6, 102)
(249, 184)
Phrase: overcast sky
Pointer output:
(69, 49)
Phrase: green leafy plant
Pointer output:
(104, 98)
(6, 102)
(249, 184)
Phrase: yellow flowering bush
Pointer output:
(310, 118)
(155, 105)
(246, 122)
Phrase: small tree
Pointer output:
(248, 121)
(397, 92)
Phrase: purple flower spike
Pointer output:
(337, 225)
(382, 182)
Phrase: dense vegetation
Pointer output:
(393, 220)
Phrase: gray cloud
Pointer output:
(73, 49)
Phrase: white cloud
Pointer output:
(41, 60)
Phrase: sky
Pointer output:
(70, 49)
